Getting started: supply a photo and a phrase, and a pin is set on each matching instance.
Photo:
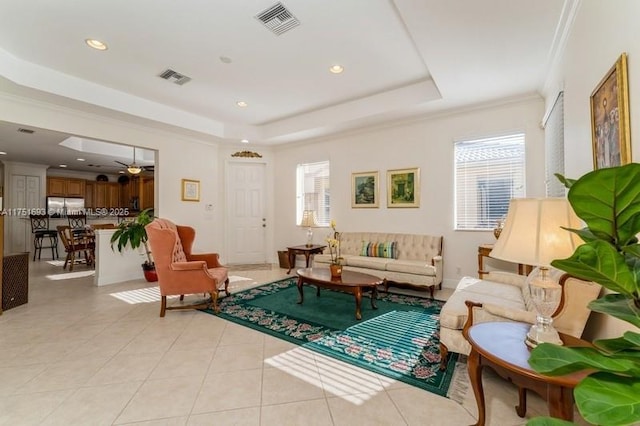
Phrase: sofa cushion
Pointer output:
(454, 313)
(388, 250)
(379, 263)
(416, 267)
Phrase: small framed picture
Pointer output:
(610, 118)
(190, 190)
(364, 190)
(403, 188)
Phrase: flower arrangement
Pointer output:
(334, 244)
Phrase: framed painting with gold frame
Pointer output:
(610, 133)
(190, 190)
(364, 190)
(403, 188)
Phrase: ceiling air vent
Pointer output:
(28, 131)
(278, 19)
(175, 77)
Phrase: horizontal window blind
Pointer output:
(488, 173)
(313, 191)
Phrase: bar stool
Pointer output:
(77, 220)
(40, 230)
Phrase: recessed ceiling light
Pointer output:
(336, 69)
(242, 104)
(3, 153)
(225, 59)
(80, 159)
(121, 172)
(63, 165)
(245, 141)
(96, 44)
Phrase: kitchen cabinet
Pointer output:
(65, 187)
(147, 194)
(56, 187)
(107, 194)
(89, 194)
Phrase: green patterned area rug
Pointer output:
(398, 340)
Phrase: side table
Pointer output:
(307, 251)
(500, 346)
(484, 250)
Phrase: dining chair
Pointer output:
(77, 242)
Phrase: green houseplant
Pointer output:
(133, 234)
(608, 201)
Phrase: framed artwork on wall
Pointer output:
(611, 136)
(403, 187)
(190, 190)
(364, 190)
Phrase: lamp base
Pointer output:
(309, 237)
(538, 334)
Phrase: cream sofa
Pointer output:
(504, 296)
(417, 259)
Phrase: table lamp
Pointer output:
(533, 235)
(309, 220)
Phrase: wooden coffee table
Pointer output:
(350, 282)
(500, 346)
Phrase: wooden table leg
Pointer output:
(560, 402)
(358, 295)
(475, 376)
(300, 291)
(521, 408)
(374, 297)
(307, 255)
(292, 260)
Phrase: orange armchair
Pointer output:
(179, 271)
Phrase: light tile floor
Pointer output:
(76, 355)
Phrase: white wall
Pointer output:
(601, 32)
(427, 144)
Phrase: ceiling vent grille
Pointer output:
(27, 131)
(278, 19)
(175, 77)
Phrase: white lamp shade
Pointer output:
(532, 233)
(308, 218)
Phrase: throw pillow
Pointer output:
(387, 249)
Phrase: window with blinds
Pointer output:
(314, 192)
(554, 148)
(488, 173)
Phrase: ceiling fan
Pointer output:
(134, 168)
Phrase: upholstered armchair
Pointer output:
(179, 271)
(503, 296)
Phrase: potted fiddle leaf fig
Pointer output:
(133, 234)
(608, 201)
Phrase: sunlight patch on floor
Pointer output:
(69, 275)
(141, 295)
(235, 278)
(350, 383)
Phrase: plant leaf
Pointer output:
(609, 399)
(629, 341)
(608, 200)
(557, 360)
(568, 183)
(619, 306)
(599, 261)
(547, 421)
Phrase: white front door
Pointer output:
(246, 212)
